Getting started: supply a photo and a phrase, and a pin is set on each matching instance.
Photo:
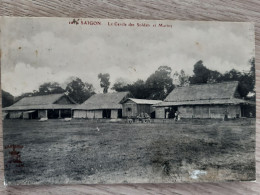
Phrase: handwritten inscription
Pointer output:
(14, 161)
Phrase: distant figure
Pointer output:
(167, 115)
(225, 115)
(250, 114)
(129, 120)
(146, 115)
(177, 115)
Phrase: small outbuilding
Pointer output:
(44, 106)
(133, 107)
(218, 100)
(102, 106)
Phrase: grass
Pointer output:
(76, 152)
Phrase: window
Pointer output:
(129, 109)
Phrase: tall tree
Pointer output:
(160, 83)
(201, 73)
(181, 79)
(246, 81)
(79, 91)
(137, 89)
(204, 75)
(49, 88)
(7, 99)
(120, 86)
(104, 81)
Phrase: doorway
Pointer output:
(106, 113)
(119, 113)
(170, 112)
(33, 115)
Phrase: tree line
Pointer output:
(162, 82)
(157, 86)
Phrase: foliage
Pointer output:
(201, 73)
(7, 99)
(181, 79)
(160, 83)
(79, 91)
(104, 81)
(157, 86)
(137, 89)
(50, 88)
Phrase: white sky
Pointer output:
(38, 50)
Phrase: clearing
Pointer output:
(84, 151)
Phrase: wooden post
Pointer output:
(59, 113)
(46, 113)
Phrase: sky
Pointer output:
(39, 50)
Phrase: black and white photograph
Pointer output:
(108, 101)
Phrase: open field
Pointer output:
(82, 151)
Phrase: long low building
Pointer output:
(45, 106)
(219, 100)
(102, 106)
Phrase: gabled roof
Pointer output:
(40, 102)
(225, 90)
(203, 94)
(104, 101)
(142, 101)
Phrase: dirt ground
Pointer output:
(83, 151)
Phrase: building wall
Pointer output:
(129, 109)
(114, 113)
(15, 114)
(201, 111)
(42, 114)
(80, 114)
(98, 114)
(210, 111)
(132, 109)
(26, 115)
(145, 108)
(186, 111)
(234, 111)
(159, 112)
(218, 111)
(90, 114)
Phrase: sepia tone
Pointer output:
(175, 14)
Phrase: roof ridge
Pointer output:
(143, 99)
(44, 95)
(208, 84)
(112, 92)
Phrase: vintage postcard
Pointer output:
(88, 101)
